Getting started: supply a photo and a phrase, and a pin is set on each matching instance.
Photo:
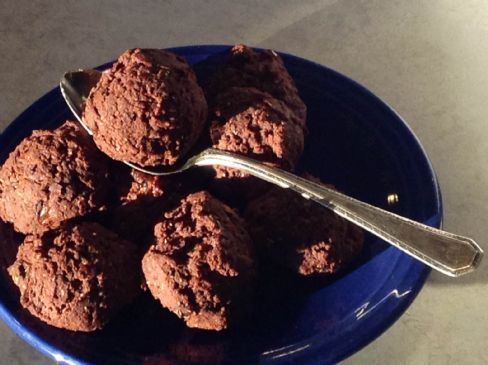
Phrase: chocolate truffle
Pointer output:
(147, 109)
(201, 264)
(263, 70)
(77, 277)
(50, 177)
(300, 234)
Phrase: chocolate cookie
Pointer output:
(201, 264)
(263, 70)
(300, 234)
(147, 109)
(77, 277)
(254, 124)
(51, 177)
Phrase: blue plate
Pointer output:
(356, 142)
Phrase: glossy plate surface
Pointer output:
(357, 143)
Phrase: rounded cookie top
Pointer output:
(147, 109)
(201, 265)
(76, 278)
(300, 234)
(50, 177)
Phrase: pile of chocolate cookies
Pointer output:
(82, 235)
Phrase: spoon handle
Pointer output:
(448, 253)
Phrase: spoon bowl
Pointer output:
(75, 87)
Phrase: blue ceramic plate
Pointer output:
(357, 143)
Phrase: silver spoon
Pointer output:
(448, 253)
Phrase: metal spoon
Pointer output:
(448, 253)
